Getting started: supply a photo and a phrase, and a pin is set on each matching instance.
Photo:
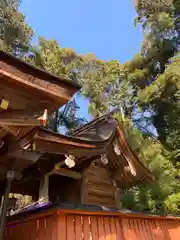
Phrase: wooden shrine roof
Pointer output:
(30, 90)
(86, 144)
(126, 167)
(40, 141)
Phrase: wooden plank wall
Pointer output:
(97, 187)
(94, 227)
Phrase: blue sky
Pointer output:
(102, 27)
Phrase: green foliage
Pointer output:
(46, 56)
(161, 195)
(172, 203)
(15, 34)
(103, 83)
(147, 7)
(154, 75)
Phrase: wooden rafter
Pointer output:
(17, 113)
(22, 114)
(20, 122)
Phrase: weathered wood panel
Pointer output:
(97, 187)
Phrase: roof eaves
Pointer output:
(62, 77)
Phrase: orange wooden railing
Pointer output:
(84, 225)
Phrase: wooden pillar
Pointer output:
(2, 200)
(10, 176)
(44, 188)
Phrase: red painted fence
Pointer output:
(84, 225)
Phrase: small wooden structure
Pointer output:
(103, 164)
(89, 167)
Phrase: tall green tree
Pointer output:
(156, 78)
(15, 34)
(103, 83)
(160, 196)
